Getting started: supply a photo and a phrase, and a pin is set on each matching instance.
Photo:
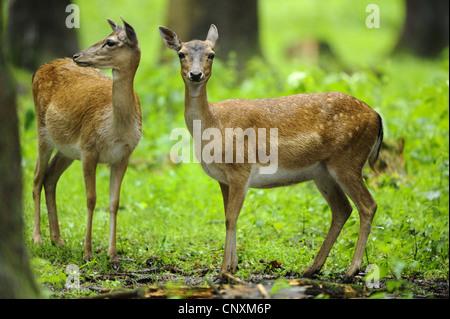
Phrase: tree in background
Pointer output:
(426, 29)
(236, 20)
(36, 32)
(16, 280)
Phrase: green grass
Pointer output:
(174, 212)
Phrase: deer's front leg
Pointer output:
(236, 196)
(117, 173)
(89, 167)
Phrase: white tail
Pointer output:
(324, 137)
(85, 115)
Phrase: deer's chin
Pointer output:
(80, 63)
(197, 80)
(194, 82)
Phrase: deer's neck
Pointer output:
(197, 106)
(125, 111)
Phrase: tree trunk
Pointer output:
(236, 20)
(426, 29)
(37, 33)
(16, 280)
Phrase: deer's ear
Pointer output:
(212, 36)
(170, 38)
(113, 25)
(131, 34)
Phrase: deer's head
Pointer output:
(119, 50)
(195, 56)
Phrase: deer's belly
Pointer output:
(280, 177)
(111, 154)
(72, 150)
(115, 152)
(283, 177)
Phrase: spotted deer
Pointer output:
(324, 137)
(85, 115)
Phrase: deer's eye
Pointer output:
(181, 55)
(211, 56)
(110, 43)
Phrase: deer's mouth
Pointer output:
(76, 59)
(196, 76)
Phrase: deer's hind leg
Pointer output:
(340, 211)
(352, 183)
(57, 166)
(44, 153)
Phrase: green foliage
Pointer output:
(174, 212)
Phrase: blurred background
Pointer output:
(288, 30)
(393, 55)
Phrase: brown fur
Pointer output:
(324, 137)
(88, 116)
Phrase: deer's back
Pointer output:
(315, 124)
(69, 87)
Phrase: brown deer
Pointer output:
(87, 116)
(324, 137)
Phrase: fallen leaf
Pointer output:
(276, 264)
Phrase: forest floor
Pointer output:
(261, 287)
(169, 281)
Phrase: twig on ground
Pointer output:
(122, 294)
(214, 288)
(232, 278)
(263, 291)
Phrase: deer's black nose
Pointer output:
(195, 76)
(75, 56)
